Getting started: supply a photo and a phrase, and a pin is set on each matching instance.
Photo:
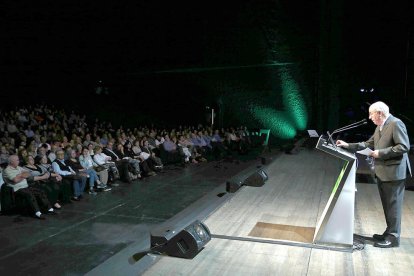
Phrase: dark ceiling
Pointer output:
(53, 45)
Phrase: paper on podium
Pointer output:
(312, 133)
(366, 151)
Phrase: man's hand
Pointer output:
(25, 174)
(375, 154)
(341, 143)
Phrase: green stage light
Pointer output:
(278, 122)
(292, 100)
(284, 123)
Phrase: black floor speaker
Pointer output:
(257, 179)
(186, 244)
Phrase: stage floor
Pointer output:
(289, 206)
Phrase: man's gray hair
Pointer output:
(11, 157)
(381, 107)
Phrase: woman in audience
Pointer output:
(22, 156)
(134, 163)
(65, 189)
(40, 178)
(129, 152)
(87, 163)
(65, 142)
(136, 147)
(185, 151)
(31, 149)
(90, 149)
(75, 164)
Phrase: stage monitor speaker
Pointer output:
(186, 244)
(233, 185)
(257, 179)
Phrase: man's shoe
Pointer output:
(75, 198)
(379, 237)
(41, 217)
(388, 242)
(92, 192)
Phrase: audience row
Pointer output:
(50, 158)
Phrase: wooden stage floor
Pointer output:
(288, 207)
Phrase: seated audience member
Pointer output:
(65, 142)
(122, 165)
(217, 143)
(51, 154)
(29, 132)
(40, 179)
(90, 149)
(12, 128)
(134, 166)
(4, 156)
(159, 141)
(78, 181)
(171, 150)
(88, 140)
(207, 138)
(44, 143)
(181, 143)
(16, 177)
(145, 164)
(136, 148)
(197, 142)
(87, 163)
(104, 160)
(200, 147)
(31, 149)
(152, 140)
(22, 156)
(41, 151)
(104, 140)
(148, 154)
(65, 186)
(75, 164)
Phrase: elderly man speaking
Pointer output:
(390, 145)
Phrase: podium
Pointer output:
(336, 224)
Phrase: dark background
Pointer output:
(166, 61)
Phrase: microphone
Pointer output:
(357, 124)
(348, 127)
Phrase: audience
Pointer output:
(60, 151)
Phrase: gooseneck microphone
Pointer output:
(345, 128)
